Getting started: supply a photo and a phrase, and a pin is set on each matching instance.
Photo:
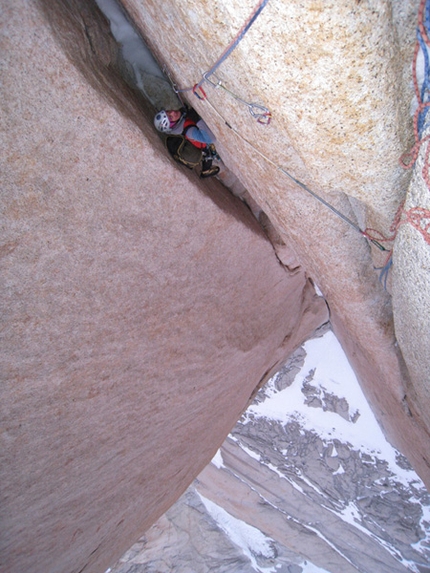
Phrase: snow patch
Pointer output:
(147, 74)
(332, 375)
(217, 460)
(340, 470)
(252, 541)
(311, 568)
(134, 50)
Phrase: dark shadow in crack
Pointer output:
(84, 35)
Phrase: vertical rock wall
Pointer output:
(140, 306)
(336, 77)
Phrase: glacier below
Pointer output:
(305, 483)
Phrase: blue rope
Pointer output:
(425, 88)
(261, 113)
(423, 113)
(229, 48)
(383, 275)
(235, 42)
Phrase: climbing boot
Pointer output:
(214, 170)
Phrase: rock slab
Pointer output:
(140, 306)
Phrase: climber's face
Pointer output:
(173, 115)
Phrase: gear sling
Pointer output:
(182, 150)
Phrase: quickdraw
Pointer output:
(260, 112)
(199, 92)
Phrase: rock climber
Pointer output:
(186, 122)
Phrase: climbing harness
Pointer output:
(261, 113)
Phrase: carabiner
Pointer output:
(263, 115)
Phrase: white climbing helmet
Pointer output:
(162, 122)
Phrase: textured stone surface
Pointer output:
(316, 499)
(185, 540)
(336, 77)
(411, 288)
(141, 307)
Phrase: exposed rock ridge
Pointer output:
(335, 77)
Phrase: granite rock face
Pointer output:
(282, 494)
(140, 306)
(411, 286)
(336, 78)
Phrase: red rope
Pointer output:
(418, 217)
(199, 92)
(408, 159)
(377, 235)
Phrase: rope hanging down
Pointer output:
(261, 113)
(422, 47)
(233, 44)
(417, 217)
